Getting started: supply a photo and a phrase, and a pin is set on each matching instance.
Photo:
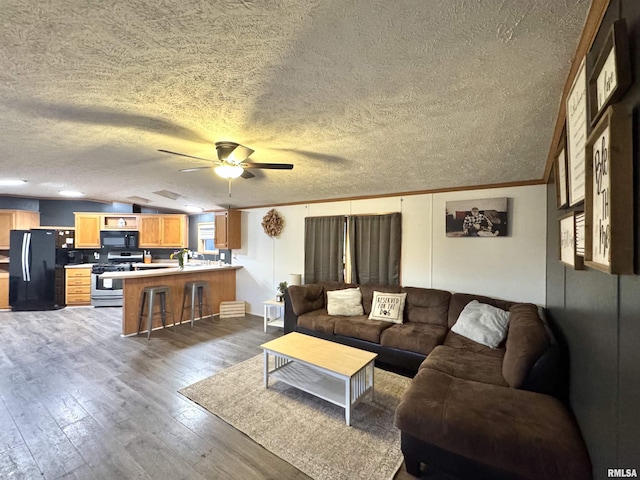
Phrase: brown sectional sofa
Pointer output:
(472, 411)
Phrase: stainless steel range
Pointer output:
(106, 292)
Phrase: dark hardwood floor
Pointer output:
(78, 401)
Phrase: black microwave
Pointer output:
(119, 239)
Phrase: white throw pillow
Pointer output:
(347, 301)
(388, 307)
(482, 323)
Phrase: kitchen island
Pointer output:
(222, 286)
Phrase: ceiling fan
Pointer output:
(231, 161)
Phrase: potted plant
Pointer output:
(282, 287)
(182, 256)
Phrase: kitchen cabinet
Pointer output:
(163, 231)
(88, 230)
(4, 289)
(227, 229)
(77, 286)
(16, 220)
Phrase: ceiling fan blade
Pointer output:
(247, 174)
(188, 156)
(193, 169)
(271, 166)
(233, 152)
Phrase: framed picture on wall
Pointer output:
(568, 252)
(562, 192)
(484, 217)
(611, 75)
(577, 135)
(580, 234)
(609, 194)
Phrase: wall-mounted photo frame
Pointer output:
(609, 195)
(568, 253)
(580, 234)
(483, 217)
(560, 168)
(611, 75)
(577, 126)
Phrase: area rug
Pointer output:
(307, 432)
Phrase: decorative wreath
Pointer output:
(273, 223)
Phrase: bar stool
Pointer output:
(201, 288)
(148, 299)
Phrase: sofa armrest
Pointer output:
(290, 318)
(300, 299)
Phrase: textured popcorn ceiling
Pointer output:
(365, 97)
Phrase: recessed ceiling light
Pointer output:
(10, 182)
(193, 209)
(70, 193)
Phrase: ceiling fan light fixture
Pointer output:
(228, 171)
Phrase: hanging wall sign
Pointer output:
(562, 193)
(568, 237)
(609, 196)
(611, 76)
(577, 135)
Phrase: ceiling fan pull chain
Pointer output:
(229, 188)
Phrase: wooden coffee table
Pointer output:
(336, 373)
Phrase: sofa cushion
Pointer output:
(482, 323)
(388, 307)
(306, 298)
(413, 337)
(367, 294)
(466, 365)
(527, 340)
(460, 300)
(347, 301)
(527, 434)
(360, 327)
(458, 341)
(318, 320)
(427, 305)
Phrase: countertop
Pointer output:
(160, 272)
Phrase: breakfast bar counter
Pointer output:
(222, 287)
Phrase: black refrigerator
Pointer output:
(36, 268)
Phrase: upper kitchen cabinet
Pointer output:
(16, 220)
(88, 230)
(163, 231)
(227, 231)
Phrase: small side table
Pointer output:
(273, 314)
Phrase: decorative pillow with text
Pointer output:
(347, 302)
(388, 307)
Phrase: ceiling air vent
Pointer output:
(168, 194)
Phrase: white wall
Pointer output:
(512, 268)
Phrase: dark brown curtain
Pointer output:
(324, 249)
(374, 247)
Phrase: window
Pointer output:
(363, 249)
(206, 238)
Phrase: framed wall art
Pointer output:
(484, 217)
(611, 75)
(609, 194)
(580, 234)
(577, 135)
(568, 252)
(562, 192)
